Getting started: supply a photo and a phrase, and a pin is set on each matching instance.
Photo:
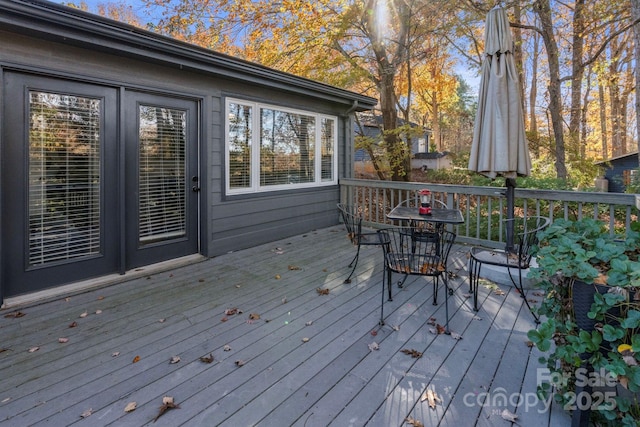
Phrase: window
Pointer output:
(64, 177)
(273, 148)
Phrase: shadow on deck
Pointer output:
(288, 356)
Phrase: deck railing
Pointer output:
(484, 208)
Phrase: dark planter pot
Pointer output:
(582, 297)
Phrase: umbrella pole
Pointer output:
(511, 186)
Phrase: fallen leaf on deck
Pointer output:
(309, 323)
(14, 315)
(131, 406)
(33, 349)
(509, 416)
(467, 295)
(305, 339)
(115, 354)
(294, 267)
(624, 381)
(167, 403)
(322, 291)
(284, 300)
(207, 359)
(538, 294)
(277, 277)
(238, 286)
(226, 348)
(413, 353)
(162, 320)
(87, 413)
(374, 333)
(2, 350)
(414, 422)
(239, 362)
(84, 314)
(440, 329)
(374, 346)
(63, 340)
(477, 318)
(232, 311)
(431, 321)
(456, 336)
(254, 316)
(5, 400)
(73, 324)
(432, 398)
(529, 343)
(174, 360)
(201, 280)
(224, 319)
(498, 292)
(100, 298)
(136, 359)
(98, 311)
(396, 327)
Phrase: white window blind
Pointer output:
(162, 182)
(64, 177)
(240, 134)
(327, 140)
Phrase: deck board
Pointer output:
(331, 379)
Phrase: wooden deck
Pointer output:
(305, 362)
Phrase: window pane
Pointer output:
(162, 194)
(287, 148)
(64, 177)
(328, 138)
(240, 134)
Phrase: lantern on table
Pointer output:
(425, 202)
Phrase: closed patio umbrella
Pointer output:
(499, 146)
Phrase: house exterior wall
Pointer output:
(227, 222)
(618, 172)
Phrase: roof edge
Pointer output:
(89, 30)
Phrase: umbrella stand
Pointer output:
(511, 186)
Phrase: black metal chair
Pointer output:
(525, 232)
(352, 219)
(408, 252)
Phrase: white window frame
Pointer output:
(255, 187)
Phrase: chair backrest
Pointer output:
(526, 235)
(408, 253)
(352, 220)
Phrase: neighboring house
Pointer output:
(619, 171)
(121, 148)
(369, 125)
(435, 160)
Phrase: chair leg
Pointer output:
(354, 261)
(435, 290)
(520, 287)
(384, 275)
(474, 276)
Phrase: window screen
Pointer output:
(64, 177)
(162, 183)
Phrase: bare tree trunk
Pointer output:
(533, 95)
(543, 9)
(583, 116)
(517, 53)
(436, 121)
(577, 74)
(603, 121)
(635, 13)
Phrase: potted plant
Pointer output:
(591, 335)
